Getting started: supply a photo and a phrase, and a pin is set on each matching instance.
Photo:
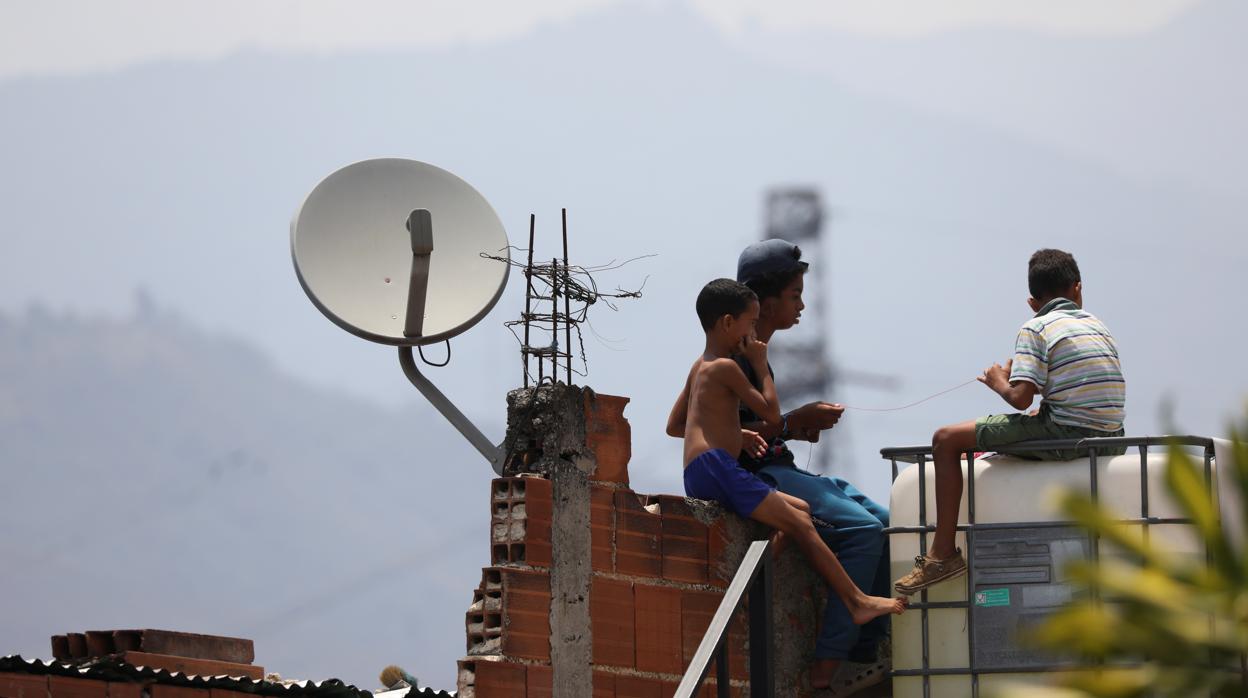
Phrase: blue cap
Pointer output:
(768, 257)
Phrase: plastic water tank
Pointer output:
(1018, 576)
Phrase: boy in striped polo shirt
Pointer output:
(1067, 356)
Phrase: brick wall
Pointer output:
(659, 568)
(14, 685)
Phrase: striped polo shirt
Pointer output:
(1072, 358)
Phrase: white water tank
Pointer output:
(1017, 572)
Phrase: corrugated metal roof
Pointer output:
(407, 693)
(112, 670)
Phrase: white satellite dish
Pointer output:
(391, 250)
(360, 265)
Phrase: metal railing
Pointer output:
(754, 576)
(920, 456)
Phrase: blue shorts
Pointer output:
(717, 475)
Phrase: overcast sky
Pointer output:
(81, 36)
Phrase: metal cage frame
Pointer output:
(920, 455)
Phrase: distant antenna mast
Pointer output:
(796, 215)
(809, 373)
(369, 226)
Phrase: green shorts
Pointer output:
(996, 431)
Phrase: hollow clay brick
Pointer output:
(194, 667)
(720, 566)
(638, 687)
(684, 542)
(604, 685)
(499, 680)
(66, 687)
(611, 612)
(602, 527)
(525, 614)
(658, 635)
(520, 511)
(117, 689)
(609, 436)
(157, 690)
(637, 532)
(23, 686)
(540, 681)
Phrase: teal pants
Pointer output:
(859, 542)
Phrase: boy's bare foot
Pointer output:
(822, 671)
(871, 607)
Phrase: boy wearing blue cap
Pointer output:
(774, 270)
(705, 414)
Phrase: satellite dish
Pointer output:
(390, 250)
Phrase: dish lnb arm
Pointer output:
(420, 225)
(493, 453)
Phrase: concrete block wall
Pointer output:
(658, 568)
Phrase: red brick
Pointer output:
(602, 527)
(719, 568)
(117, 689)
(658, 638)
(521, 511)
(525, 615)
(540, 681)
(23, 686)
(609, 436)
(226, 693)
(498, 679)
(638, 687)
(684, 541)
(65, 687)
(179, 644)
(538, 510)
(158, 690)
(697, 609)
(77, 644)
(611, 614)
(668, 688)
(603, 685)
(637, 532)
(192, 667)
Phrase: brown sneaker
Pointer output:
(927, 572)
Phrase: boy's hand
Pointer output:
(753, 443)
(997, 376)
(814, 417)
(755, 351)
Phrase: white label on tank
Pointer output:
(1063, 552)
(1046, 595)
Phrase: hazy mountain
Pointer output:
(157, 475)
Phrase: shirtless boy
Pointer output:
(706, 413)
